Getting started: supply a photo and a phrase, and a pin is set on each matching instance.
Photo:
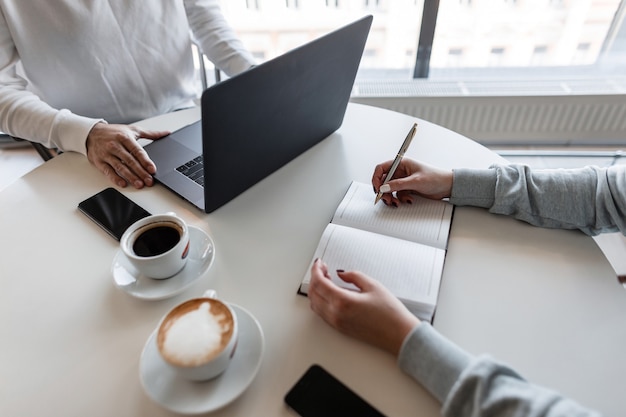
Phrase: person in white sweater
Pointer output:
(75, 73)
(590, 199)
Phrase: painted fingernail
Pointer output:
(339, 271)
(393, 203)
(385, 188)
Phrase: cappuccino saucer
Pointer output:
(200, 258)
(168, 389)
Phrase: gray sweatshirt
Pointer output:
(590, 199)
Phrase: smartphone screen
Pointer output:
(112, 211)
(318, 393)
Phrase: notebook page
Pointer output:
(425, 221)
(411, 271)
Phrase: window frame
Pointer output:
(615, 42)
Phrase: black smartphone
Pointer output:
(318, 393)
(112, 211)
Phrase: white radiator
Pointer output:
(556, 113)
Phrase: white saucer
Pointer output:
(201, 256)
(179, 395)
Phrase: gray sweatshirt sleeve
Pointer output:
(590, 199)
(470, 386)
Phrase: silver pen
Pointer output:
(399, 156)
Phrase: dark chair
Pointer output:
(45, 153)
(203, 76)
(7, 141)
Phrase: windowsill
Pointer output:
(492, 81)
(609, 85)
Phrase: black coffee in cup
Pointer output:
(156, 240)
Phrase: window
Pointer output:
(449, 38)
(496, 56)
(539, 56)
(455, 57)
(583, 54)
(292, 4)
(529, 34)
(372, 4)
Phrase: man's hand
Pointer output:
(114, 150)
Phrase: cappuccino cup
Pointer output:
(158, 245)
(198, 338)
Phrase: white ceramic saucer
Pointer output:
(179, 395)
(128, 279)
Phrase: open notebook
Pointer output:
(404, 247)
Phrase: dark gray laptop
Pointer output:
(262, 119)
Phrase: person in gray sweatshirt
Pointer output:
(590, 199)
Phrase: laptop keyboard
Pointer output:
(194, 170)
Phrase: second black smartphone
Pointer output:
(112, 211)
(318, 393)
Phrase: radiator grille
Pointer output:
(550, 113)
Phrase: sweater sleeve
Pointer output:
(24, 115)
(587, 198)
(470, 386)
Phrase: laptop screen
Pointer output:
(263, 118)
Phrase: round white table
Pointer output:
(545, 301)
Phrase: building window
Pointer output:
(539, 56)
(496, 56)
(252, 4)
(455, 57)
(582, 54)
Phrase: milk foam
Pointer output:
(196, 336)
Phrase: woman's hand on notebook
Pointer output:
(372, 314)
(113, 149)
(412, 177)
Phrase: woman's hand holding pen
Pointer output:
(412, 177)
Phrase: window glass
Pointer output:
(480, 38)
(524, 33)
(269, 28)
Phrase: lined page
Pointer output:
(425, 221)
(411, 271)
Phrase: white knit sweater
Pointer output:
(67, 64)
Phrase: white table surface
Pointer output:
(545, 301)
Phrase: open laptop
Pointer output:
(261, 119)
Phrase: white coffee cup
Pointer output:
(157, 245)
(198, 338)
